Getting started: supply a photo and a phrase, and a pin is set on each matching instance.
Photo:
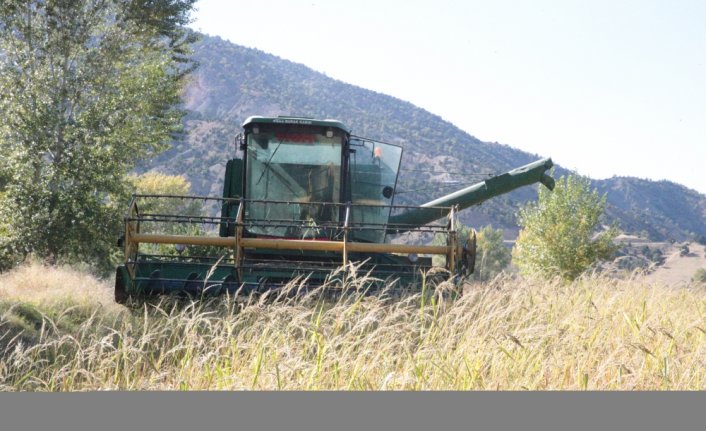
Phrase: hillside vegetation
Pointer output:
(61, 331)
(234, 82)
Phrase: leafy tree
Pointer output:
(492, 255)
(156, 183)
(87, 88)
(559, 231)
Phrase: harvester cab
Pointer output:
(305, 199)
(306, 170)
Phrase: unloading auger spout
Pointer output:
(535, 172)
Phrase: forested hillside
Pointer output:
(234, 82)
(654, 209)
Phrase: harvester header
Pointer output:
(306, 197)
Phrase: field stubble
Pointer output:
(60, 331)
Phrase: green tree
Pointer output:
(559, 235)
(87, 88)
(492, 255)
(155, 183)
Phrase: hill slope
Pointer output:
(234, 82)
(659, 210)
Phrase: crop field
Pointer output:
(60, 331)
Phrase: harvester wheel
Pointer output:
(468, 258)
(193, 287)
(121, 295)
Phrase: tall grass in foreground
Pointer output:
(60, 331)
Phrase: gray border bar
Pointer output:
(354, 410)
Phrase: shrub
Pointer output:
(492, 255)
(699, 276)
(559, 232)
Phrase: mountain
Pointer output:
(234, 82)
(654, 209)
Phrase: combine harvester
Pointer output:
(306, 198)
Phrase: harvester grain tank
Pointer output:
(305, 198)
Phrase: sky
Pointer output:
(603, 87)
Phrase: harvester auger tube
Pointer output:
(535, 172)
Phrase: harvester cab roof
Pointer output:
(305, 199)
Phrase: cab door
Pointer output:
(373, 177)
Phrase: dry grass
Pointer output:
(37, 283)
(510, 334)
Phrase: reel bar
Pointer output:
(288, 244)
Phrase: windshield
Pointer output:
(296, 166)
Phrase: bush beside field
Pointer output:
(61, 331)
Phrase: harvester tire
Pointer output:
(121, 295)
(468, 260)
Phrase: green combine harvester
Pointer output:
(305, 199)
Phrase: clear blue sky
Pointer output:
(603, 87)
